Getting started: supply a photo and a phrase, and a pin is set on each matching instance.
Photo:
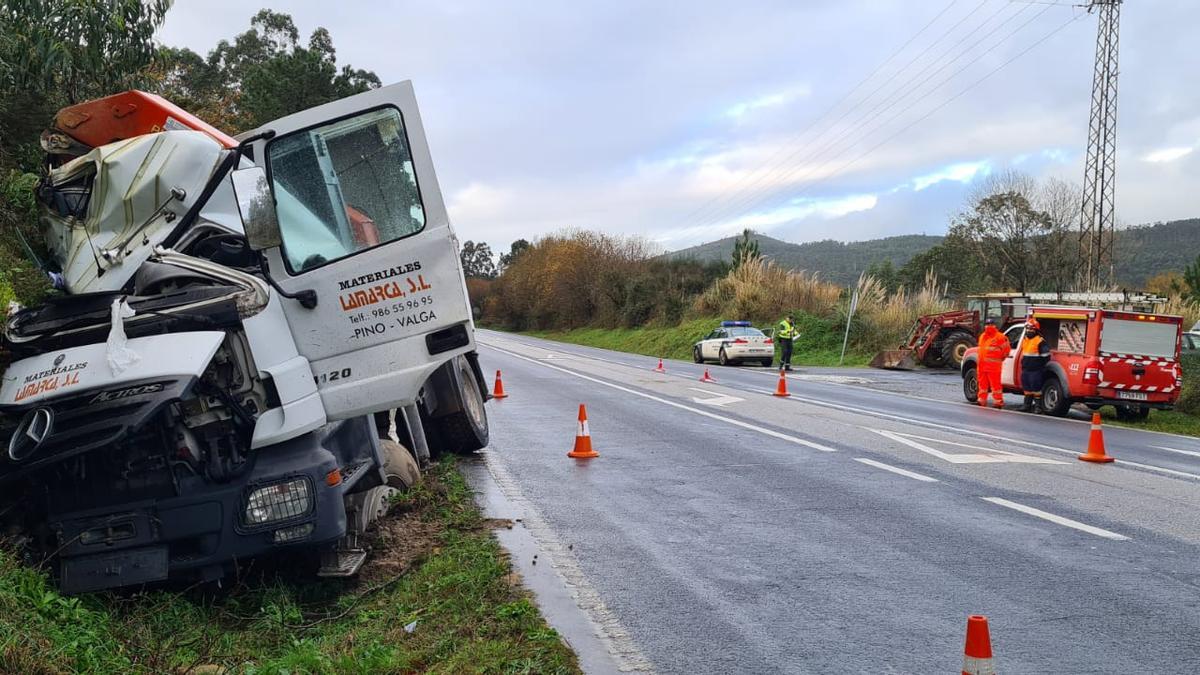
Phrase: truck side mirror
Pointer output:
(257, 208)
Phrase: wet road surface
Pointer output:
(845, 528)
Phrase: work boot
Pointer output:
(1028, 404)
(787, 367)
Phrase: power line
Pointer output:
(844, 98)
(950, 100)
(737, 200)
(915, 94)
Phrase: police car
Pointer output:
(735, 342)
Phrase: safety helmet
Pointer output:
(1033, 323)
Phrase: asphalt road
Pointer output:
(847, 528)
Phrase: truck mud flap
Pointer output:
(107, 570)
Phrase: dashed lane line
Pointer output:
(895, 469)
(960, 430)
(728, 420)
(865, 411)
(1082, 527)
(1182, 452)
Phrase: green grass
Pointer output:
(817, 346)
(470, 616)
(1167, 421)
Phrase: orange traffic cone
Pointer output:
(499, 390)
(660, 368)
(781, 388)
(583, 440)
(706, 377)
(977, 654)
(1095, 450)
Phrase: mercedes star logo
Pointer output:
(58, 360)
(30, 434)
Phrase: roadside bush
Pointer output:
(1188, 309)
(20, 279)
(580, 278)
(883, 318)
(1189, 397)
(760, 290)
(478, 293)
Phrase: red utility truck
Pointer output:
(1097, 357)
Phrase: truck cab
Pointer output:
(1097, 357)
(259, 340)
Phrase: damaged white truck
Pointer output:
(250, 336)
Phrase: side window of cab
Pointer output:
(1014, 335)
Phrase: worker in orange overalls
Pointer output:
(1035, 354)
(993, 349)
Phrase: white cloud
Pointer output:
(964, 172)
(1167, 155)
(634, 118)
(739, 110)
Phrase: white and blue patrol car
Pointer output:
(735, 342)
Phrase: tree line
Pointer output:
(54, 53)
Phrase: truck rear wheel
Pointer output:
(955, 346)
(1054, 397)
(465, 431)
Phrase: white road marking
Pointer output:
(1182, 452)
(895, 469)
(705, 413)
(908, 420)
(1082, 527)
(607, 626)
(773, 373)
(988, 456)
(717, 399)
(959, 430)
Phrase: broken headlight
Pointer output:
(279, 502)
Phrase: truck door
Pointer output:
(1140, 354)
(362, 226)
(1008, 372)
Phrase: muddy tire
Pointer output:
(399, 467)
(933, 357)
(1054, 397)
(696, 355)
(465, 431)
(955, 346)
(723, 358)
(971, 385)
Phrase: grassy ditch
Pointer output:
(819, 343)
(436, 568)
(1166, 421)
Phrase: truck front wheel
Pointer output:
(399, 467)
(465, 431)
(971, 385)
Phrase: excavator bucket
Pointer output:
(894, 359)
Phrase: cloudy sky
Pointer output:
(803, 119)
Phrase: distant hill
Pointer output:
(835, 261)
(1146, 250)
(1142, 252)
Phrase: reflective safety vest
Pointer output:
(1032, 346)
(1035, 354)
(787, 331)
(994, 349)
